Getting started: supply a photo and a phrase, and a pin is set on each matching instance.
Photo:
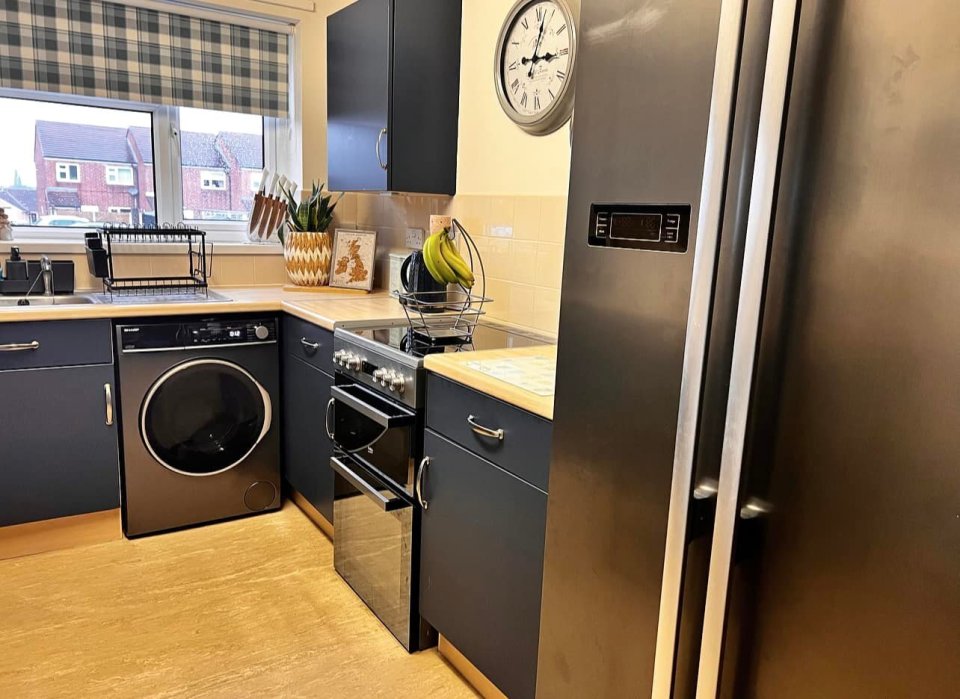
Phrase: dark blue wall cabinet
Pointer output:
(393, 96)
(58, 433)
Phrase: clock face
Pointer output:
(535, 58)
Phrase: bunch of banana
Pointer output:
(444, 262)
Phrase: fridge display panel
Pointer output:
(655, 227)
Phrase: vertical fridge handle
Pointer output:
(722, 105)
(759, 222)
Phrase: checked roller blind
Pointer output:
(117, 51)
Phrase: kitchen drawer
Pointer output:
(524, 450)
(55, 343)
(309, 343)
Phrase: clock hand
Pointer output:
(533, 61)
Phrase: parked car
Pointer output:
(63, 221)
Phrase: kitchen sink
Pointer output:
(63, 300)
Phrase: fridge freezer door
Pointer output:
(848, 586)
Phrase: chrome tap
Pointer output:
(46, 269)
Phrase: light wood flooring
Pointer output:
(251, 607)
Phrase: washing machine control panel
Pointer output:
(237, 332)
(159, 336)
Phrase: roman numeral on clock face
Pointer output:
(523, 100)
(515, 85)
(561, 75)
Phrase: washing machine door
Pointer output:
(204, 417)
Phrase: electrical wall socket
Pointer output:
(414, 238)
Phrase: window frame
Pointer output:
(65, 165)
(282, 139)
(214, 176)
(116, 171)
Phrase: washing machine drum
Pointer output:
(204, 417)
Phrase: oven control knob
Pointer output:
(262, 332)
(354, 362)
(338, 356)
(397, 383)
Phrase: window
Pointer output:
(212, 180)
(58, 148)
(119, 174)
(217, 149)
(68, 172)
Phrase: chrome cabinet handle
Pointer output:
(383, 165)
(312, 346)
(20, 346)
(484, 431)
(418, 483)
(326, 418)
(108, 398)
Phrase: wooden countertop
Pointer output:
(324, 309)
(455, 367)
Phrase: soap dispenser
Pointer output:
(16, 266)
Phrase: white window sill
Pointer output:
(76, 247)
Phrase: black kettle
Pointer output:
(416, 279)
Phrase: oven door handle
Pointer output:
(387, 504)
(399, 419)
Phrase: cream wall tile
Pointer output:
(526, 221)
(524, 262)
(269, 269)
(546, 310)
(368, 209)
(345, 215)
(498, 217)
(553, 219)
(549, 265)
(232, 270)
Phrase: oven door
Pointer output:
(373, 546)
(377, 431)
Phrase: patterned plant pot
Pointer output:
(308, 256)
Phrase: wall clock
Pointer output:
(534, 64)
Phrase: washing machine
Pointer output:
(199, 403)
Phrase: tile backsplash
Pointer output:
(520, 239)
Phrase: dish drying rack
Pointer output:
(100, 258)
(461, 309)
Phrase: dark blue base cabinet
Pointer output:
(58, 438)
(481, 561)
(306, 392)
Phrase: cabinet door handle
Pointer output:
(326, 418)
(20, 346)
(383, 132)
(484, 431)
(418, 483)
(307, 345)
(108, 398)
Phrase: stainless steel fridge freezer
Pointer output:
(755, 489)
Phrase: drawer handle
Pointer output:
(108, 398)
(484, 431)
(309, 346)
(418, 483)
(21, 346)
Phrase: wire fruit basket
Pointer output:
(448, 317)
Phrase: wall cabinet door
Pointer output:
(58, 455)
(307, 449)
(358, 96)
(481, 563)
(393, 96)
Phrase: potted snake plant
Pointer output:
(307, 246)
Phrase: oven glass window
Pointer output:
(204, 417)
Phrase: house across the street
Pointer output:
(103, 173)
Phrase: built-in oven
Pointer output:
(378, 443)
